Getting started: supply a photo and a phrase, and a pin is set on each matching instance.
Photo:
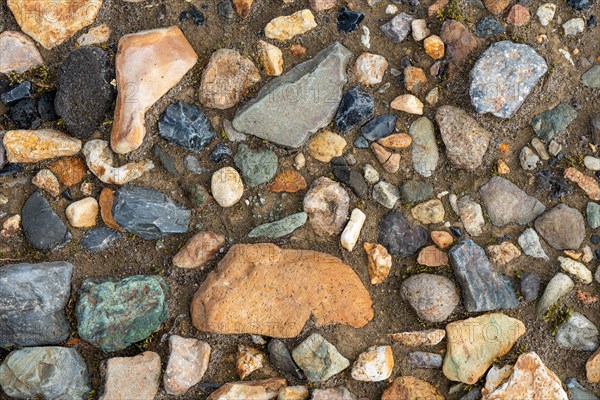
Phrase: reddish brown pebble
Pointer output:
(69, 170)
(106, 200)
(289, 181)
(298, 50)
(518, 15)
(431, 256)
(198, 250)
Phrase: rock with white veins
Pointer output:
(99, 159)
(30, 146)
(352, 230)
(374, 365)
(576, 269)
(187, 364)
(558, 286)
(148, 65)
(530, 243)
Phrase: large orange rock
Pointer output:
(29, 146)
(148, 65)
(263, 289)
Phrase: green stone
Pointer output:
(592, 77)
(280, 228)
(256, 166)
(552, 122)
(196, 193)
(114, 314)
(592, 212)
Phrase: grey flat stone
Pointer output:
(398, 237)
(530, 243)
(291, 107)
(578, 333)
(507, 203)
(554, 121)
(398, 28)
(41, 226)
(280, 228)
(98, 239)
(425, 153)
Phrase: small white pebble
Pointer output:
(592, 163)
(574, 26)
(453, 199)
(370, 173)
(352, 230)
(299, 161)
(391, 9)
(365, 39)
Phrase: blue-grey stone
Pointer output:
(488, 27)
(530, 286)
(17, 93)
(415, 191)
(483, 289)
(166, 160)
(41, 226)
(398, 28)
(379, 127)
(580, 5)
(592, 213)
(554, 121)
(54, 373)
(591, 78)
(98, 239)
(281, 358)
(187, 126)
(220, 153)
(256, 166)
(279, 228)
(398, 237)
(32, 302)
(45, 106)
(361, 143)
(578, 333)
(423, 359)
(578, 392)
(148, 213)
(354, 179)
(24, 114)
(356, 108)
(503, 77)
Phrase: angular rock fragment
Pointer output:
(271, 58)
(327, 206)
(259, 389)
(471, 215)
(280, 228)
(280, 357)
(356, 108)
(507, 203)
(132, 377)
(399, 237)
(286, 27)
(289, 181)
(398, 28)
(250, 292)
(319, 359)
(374, 365)
(562, 227)
(257, 166)
(19, 53)
(577, 333)
(198, 250)
(42, 227)
(554, 121)
(248, 360)
(380, 262)
(99, 239)
(24, 146)
(186, 125)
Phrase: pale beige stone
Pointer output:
(46, 180)
(18, 53)
(266, 389)
(369, 68)
(592, 368)
(96, 35)
(503, 253)
(408, 103)
(271, 58)
(248, 360)
(83, 213)
(429, 212)
(132, 377)
(227, 187)
(429, 337)
(325, 145)
(99, 160)
(380, 262)
(29, 146)
(188, 361)
(374, 365)
(11, 226)
(287, 26)
(293, 393)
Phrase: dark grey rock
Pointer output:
(578, 333)
(397, 28)
(32, 303)
(281, 358)
(503, 77)
(379, 127)
(415, 191)
(423, 359)
(488, 27)
(506, 203)
(580, 5)
(84, 93)
(595, 125)
(17, 93)
(433, 297)
(348, 20)
(54, 373)
(187, 126)
(354, 179)
(148, 213)
(483, 289)
(220, 153)
(356, 108)
(166, 160)
(25, 115)
(45, 106)
(225, 9)
(41, 226)
(554, 121)
(578, 392)
(298, 103)
(398, 237)
(556, 186)
(562, 227)
(256, 166)
(530, 286)
(98, 239)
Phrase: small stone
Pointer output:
(338, 393)
(471, 215)
(99, 239)
(380, 262)
(434, 47)
(83, 213)
(588, 184)
(65, 374)
(220, 153)
(562, 227)
(539, 146)
(591, 78)
(132, 377)
(422, 359)
(186, 125)
(70, 171)
(592, 368)
(489, 27)
(592, 163)
(369, 68)
(459, 40)
(442, 239)
(99, 160)
(348, 20)
(390, 8)
(593, 214)
(200, 249)
(576, 269)
(578, 392)
(419, 29)
(578, 333)
(271, 58)
(414, 79)
(379, 127)
(114, 314)
(433, 297)
(507, 203)
(433, 96)
(530, 243)
(19, 53)
(256, 166)
(96, 35)
(28, 146)
(415, 191)
(289, 181)
(386, 194)
(374, 365)
(42, 227)
(574, 26)
(580, 5)
(397, 141)
(545, 13)
(429, 337)
(503, 253)
(430, 212)
(46, 180)
(248, 360)
(431, 256)
(16, 94)
(231, 133)
(355, 109)
(257, 389)
(280, 228)
(370, 174)
(411, 388)
(352, 230)
(388, 160)
(399, 237)
(188, 361)
(319, 359)
(106, 200)
(193, 165)
(11, 226)
(227, 187)
(530, 286)
(293, 393)
(242, 7)
(408, 103)
(327, 206)
(558, 286)
(459, 365)
(483, 289)
(425, 154)
(286, 27)
(496, 6)
(518, 15)
(326, 145)
(398, 28)
(281, 358)
(554, 121)
(322, 5)
(528, 159)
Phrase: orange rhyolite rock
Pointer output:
(28, 146)
(106, 200)
(263, 289)
(148, 65)
(289, 181)
(69, 170)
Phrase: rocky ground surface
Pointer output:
(291, 199)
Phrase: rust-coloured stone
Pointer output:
(289, 181)
(69, 170)
(106, 200)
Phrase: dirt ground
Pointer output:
(134, 255)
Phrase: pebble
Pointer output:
(42, 227)
(539, 146)
(578, 333)
(226, 79)
(530, 286)
(192, 164)
(433, 96)
(326, 145)
(11, 226)
(430, 212)
(19, 53)
(271, 58)
(518, 15)
(370, 68)
(174, 58)
(84, 94)
(434, 47)
(322, 5)
(588, 184)
(425, 153)
(578, 392)
(380, 262)
(30, 146)
(442, 239)
(557, 187)
(592, 368)
(96, 35)
(132, 377)
(188, 361)
(374, 365)
(370, 174)
(388, 160)
(489, 27)
(411, 388)
(398, 237)
(558, 286)
(50, 372)
(261, 116)
(496, 6)
(574, 26)
(256, 166)
(593, 214)
(503, 253)
(319, 359)
(231, 133)
(413, 191)
(528, 159)
(580, 5)
(592, 163)
(562, 227)
(545, 13)
(391, 9)
(429, 337)
(46, 180)
(483, 289)
(353, 179)
(471, 215)
(386, 194)
(460, 42)
(433, 297)
(356, 108)
(83, 213)
(327, 206)
(398, 28)
(422, 359)
(507, 203)
(348, 20)
(99, 160)
(591, 78)
(293, 393)
(554, 121)
(286, 27)
(186, 125)
(242, 7)
(280, 228)
(379, 127)
(459, 364)
(108, 311)
(248, 360)
(227, 187)
(220, 153)
(200, 249)
(352, 230)
(576, 269)
(17, 93)
(419, 29)
(99, 239)
(414, 79)
(408, 103)
(281, 358)
(512, 70)
(530, 243)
